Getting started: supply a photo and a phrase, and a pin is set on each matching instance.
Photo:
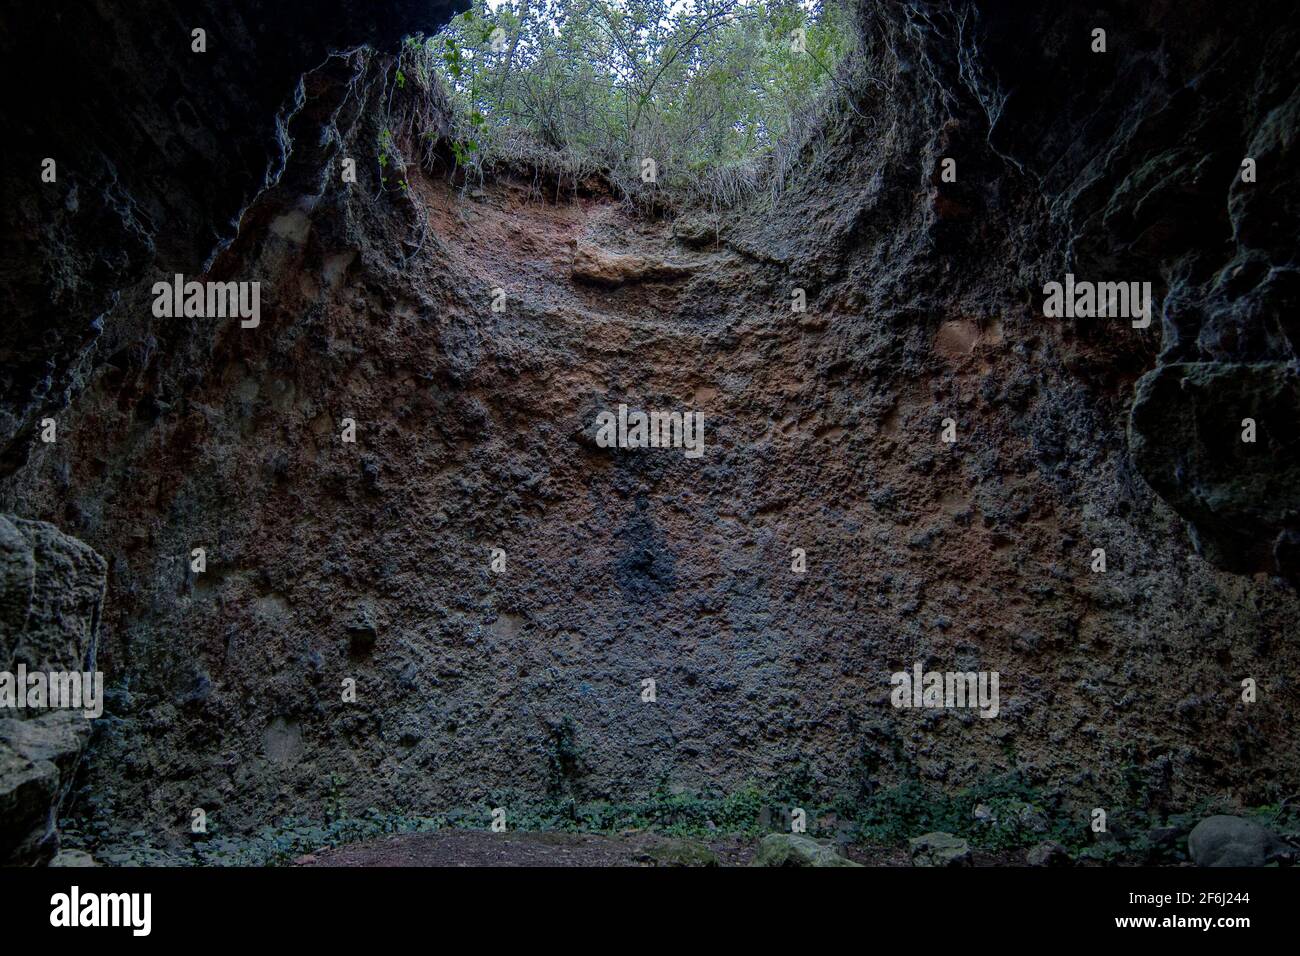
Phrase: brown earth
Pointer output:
(331, 562)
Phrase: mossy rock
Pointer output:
(682, 853)
(793, 849)
(939, 849)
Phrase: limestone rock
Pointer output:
(793, 849)
(1224, 840)
(37, 759)
(73, 858)
(51, 593)
(939, 849)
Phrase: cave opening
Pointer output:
(580, 417)
(698, 99)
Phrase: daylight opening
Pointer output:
(680, 96)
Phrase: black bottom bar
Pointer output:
(334, 905)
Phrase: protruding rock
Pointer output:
(599, 266)
(51, 595)
(696, 230)
(363, 631)
(1241, 496)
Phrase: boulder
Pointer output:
(1048, 853)
(680, 853)
(1241, 497)
(794, 849)
(1224, 840)
(73, 858)
(939, 849)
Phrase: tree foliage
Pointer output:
(696, 85)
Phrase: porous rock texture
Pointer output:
(158, 149)
(51, 598)
(330, 562)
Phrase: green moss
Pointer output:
(1012, 815)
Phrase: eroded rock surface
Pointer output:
(602, 267)
(51, 595)
(371, 562)
(158, 149)
(1242, 497)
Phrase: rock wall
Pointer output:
(1139, 154)
(158, 149)
(51, 600)
(1123, 165)
(371, 561)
